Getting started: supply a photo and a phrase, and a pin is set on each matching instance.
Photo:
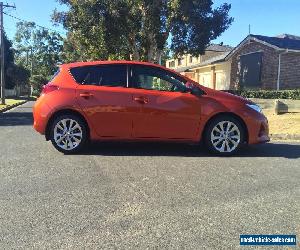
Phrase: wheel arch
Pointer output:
(227, 114)
(65, 112)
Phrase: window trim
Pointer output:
(127, 76)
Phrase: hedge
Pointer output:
(268, 94)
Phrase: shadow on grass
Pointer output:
(285, 150)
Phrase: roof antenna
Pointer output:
(249, 29)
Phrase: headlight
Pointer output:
(255, 107)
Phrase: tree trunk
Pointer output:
(135, 50)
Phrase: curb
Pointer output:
(12, 106)
(295, 137)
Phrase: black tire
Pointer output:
(231, 144)
(83, 130)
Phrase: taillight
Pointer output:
(49, 88)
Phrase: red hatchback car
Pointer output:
(125, 100)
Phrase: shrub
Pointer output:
(268, 94)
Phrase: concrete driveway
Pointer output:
(138, 196)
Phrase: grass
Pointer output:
(288, 123)
(9, 102)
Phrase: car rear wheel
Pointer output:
(68, 134)
(224, 135)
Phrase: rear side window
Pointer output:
(101, 75)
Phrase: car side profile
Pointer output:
(135, 101)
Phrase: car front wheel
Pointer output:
(224, 135)
(68, 134)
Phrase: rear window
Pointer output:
(101, 75)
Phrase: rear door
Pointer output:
(103, 96)
(167, 111)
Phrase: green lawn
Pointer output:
(9, 102)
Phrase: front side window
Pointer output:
(152, 78)
(101, 75)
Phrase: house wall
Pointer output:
(190, 75)
(214, 76)
(269, 68)
(185, 59)
(223, 72)
(203, 76)
(290, 70)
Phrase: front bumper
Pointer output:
(258, 129)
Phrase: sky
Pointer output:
(266, 17)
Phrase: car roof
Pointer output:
(91, 63)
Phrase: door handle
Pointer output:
(86, 95)
(141, 99)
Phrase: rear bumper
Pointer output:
(41, 113)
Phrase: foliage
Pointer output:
(9, 62)
(37, 82)
(268, 94)
(14, 74)
(19, 75)
(139, 29)
(37, 49)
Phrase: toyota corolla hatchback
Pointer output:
(134, 101)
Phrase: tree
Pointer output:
(9, 62)
(37, 49)
(18, 75)
(14, 75)
(139, 29)
(37, 82)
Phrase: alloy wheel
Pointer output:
(225, 136)
(67, 134)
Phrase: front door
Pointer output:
(167, 110)
(105, 99)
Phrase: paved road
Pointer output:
(122, 196)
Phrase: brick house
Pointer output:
(257, 62)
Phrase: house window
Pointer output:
(191, 59)
(180, 61)
(172, 64)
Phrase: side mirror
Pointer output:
(191, 88)
(197, 91)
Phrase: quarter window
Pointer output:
(156, 79)
(101, 75)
